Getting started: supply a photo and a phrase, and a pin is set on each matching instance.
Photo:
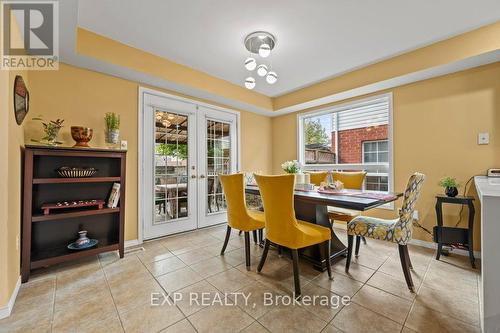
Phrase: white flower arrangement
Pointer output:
(291, 166)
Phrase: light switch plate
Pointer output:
(483, 138)
(123, 145)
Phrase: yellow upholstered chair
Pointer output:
(238, 216)
(398, 231)
(318, 177)
(283, 229)
(352, 181)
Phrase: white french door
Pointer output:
(184, 147)
(217, 143)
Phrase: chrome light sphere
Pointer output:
(271, 77)
(262, 70)
(250, 83)
(250, 63)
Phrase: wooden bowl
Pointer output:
(82, 135)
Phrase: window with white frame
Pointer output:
(350, 137)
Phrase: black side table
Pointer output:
(453, 235)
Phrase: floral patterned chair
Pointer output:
(398, 231)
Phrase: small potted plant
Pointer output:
(292, 167)
(112, 127)
(51, 129)
(450, 186)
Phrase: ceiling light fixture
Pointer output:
(259, 43)
(262, 70)
(250, 63)
(250, 83)
(271, 77)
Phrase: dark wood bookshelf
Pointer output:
(73, 214)
(76, 180)
(45, 237)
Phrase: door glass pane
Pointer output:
(171, 166)
(218, 162)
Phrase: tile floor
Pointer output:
(106, 294)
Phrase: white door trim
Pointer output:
(140, 142)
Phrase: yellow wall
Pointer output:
(82, 97)
(109, 50)
(4, 109)
(12, 140)
(436, 123)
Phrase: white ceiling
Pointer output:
(315, 39)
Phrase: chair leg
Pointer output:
(407, 254)
(358, 243)
(279, 250)
(264, 256)
(364, 239)
(254, 236)
(296, 277)
(261, 236)
(403, 255)
(326, 253)
(239, 233)
(247, 249)
(228, 233)
(350, 240)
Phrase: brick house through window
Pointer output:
(358, 139)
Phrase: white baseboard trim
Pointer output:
(432, 245)
(132, 242)
(6, 310)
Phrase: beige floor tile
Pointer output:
(230, 281)
(394, 285)
(255, 328)
(74, 312)
(211, 266)
(331, 329)
(258, 295)
(220, 319)
(80, 285)
(39, 292)
(77, 266)
(179, 279)
(464, 307)
(214, 249)
(194, 256)
(408, 330)
(36, 319)
(237, 257)
(146, 318)
(108, 258)
(340, 285)
(383, 303)
(367, 259)
(110, 325)
(124, 269)
(152, 254)
(393, 267)
(183, 326)
(322, 302)
(282, 279)
(355, 318)
(283, 318)
(195, 297)
(356, 271)
(135, 292)
(425, 320)
(164, 266)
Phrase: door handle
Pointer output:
(202, 176)
(193, 176)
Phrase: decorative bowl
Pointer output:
(82, 135)
(74, 172)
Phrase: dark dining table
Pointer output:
(312, 206)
